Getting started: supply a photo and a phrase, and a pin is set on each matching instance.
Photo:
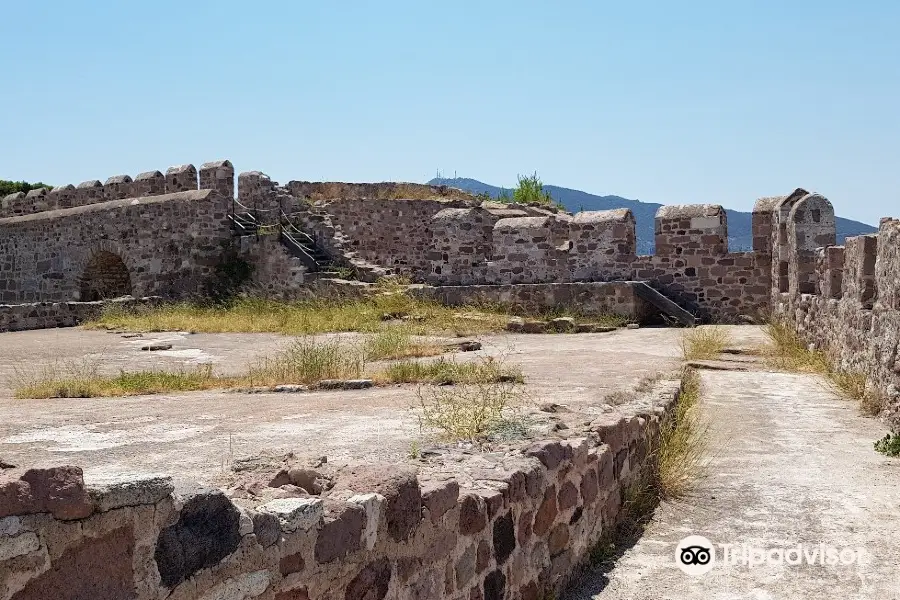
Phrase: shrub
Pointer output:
(467, 412)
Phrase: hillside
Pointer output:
(739, 231)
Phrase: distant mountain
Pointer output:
(739, 232)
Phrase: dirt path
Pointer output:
(791, 464)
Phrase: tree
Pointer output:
(11, 187)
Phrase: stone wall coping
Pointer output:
(216, 164)
(119, 179)
(189, 195)
(686, 211)
(603, 216)
(92, 183)
(148, 175)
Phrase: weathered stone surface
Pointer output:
(295, 513)
(294, 594)
(342, 532)
(345, 384)
(589, 486)
(266, 528)
(495, 586)
(371, 583)
(97, 568)
(206, 532)
(400, 488)
(472, 514)
(483, 556)
(18, 545)
(558, 539)
(293, 563)
(129, 490)
(504, 538)
(546, 513)
(568, 496)
(465, 566)
(58, 490)
(439, 497)
(550, 453)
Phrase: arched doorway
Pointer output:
(104, 277)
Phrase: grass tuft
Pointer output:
(676, 463)
(683, 442)
(82, 380)
(396, 343)
(704, 343)
(448, 372)
(786, 350)
(308, 361)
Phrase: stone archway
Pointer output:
(105, 276)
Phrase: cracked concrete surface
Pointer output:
(791, 463)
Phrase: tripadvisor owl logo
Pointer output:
(695, 555)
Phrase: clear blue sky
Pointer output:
(671, 102)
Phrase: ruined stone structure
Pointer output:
(169, 234)
(515, 524)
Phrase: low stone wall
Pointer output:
(516, 523)
(48, 315)
(592, 298)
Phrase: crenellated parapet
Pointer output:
(462, 240)
(689, 230)
(217, 175)
(603, 243)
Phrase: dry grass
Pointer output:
(788, 352)
(83, 380)
(678, 459)
(470, 411)
(683, 442)
(704, 343)
(449, 372)
(253, 315)
(396, 343)
(308, 361)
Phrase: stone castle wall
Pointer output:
(846, 302)
(514, 524)
(166, 245)
(692, 265)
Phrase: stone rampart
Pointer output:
(516, 523)
(163, 245)
(218, 175)
(692, 264)
(844, 299)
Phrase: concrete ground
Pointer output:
(790, 464)
(194, 435)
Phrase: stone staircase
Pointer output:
(298, 243)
